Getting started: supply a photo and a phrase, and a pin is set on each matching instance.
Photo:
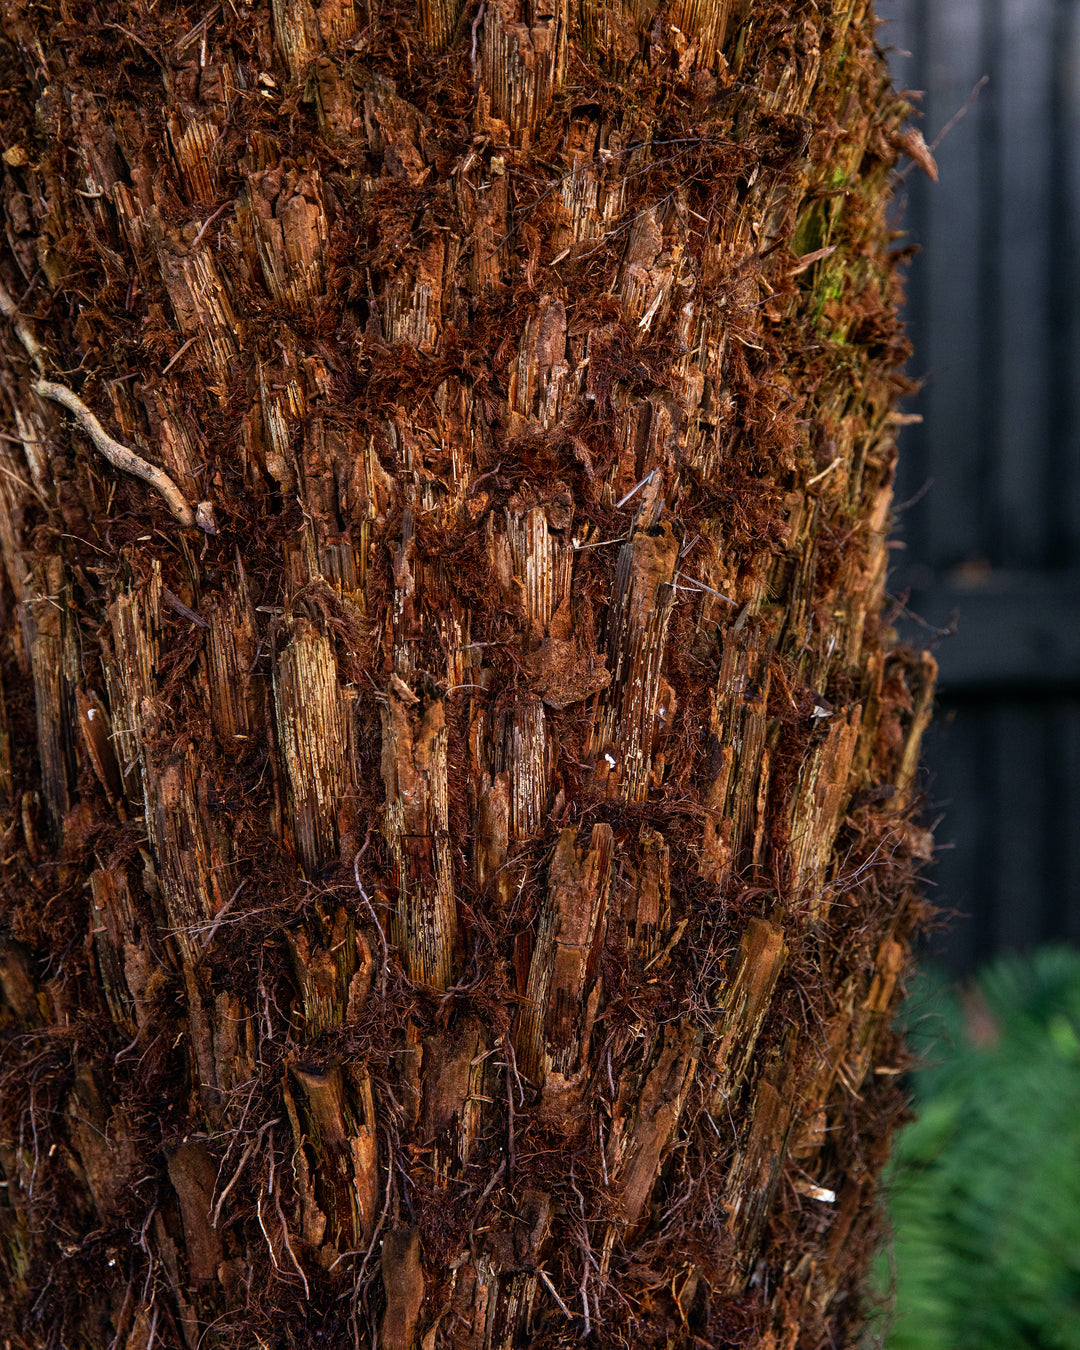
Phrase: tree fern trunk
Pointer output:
(455, 898)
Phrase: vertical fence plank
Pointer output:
(1062, 902)
(1064, 479)
(951, 277)
(1019, 800)
(1019, 320)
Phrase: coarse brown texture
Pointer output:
(459, 903)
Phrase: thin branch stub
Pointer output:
(122, 458)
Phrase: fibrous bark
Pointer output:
(457, 896)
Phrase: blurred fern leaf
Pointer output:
(984, 1187)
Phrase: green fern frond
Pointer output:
(984, 1187)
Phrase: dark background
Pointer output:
(988, 517)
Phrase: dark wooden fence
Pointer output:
(991, 479)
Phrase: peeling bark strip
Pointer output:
(461, 903)
(312, 732)
(417, 833)
(556, 1017)
(636, 637)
